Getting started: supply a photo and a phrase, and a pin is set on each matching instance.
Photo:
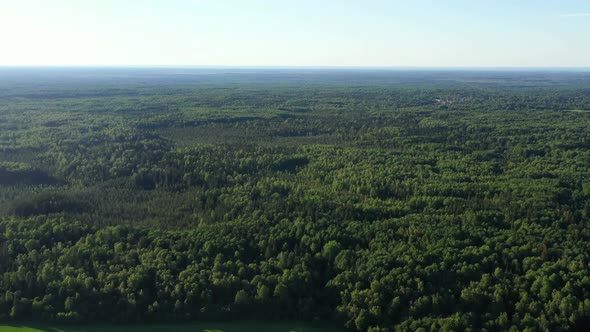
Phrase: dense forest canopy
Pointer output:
(384, 200)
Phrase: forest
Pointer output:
(379, 200)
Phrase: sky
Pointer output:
(358, 33)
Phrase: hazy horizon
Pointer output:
(302, 67)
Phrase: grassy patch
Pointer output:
(191, 327)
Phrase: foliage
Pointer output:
(398, 201)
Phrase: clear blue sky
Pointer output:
(432, 33)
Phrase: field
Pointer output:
(196, 327)
(377, 200)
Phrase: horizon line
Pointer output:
(159, 66)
